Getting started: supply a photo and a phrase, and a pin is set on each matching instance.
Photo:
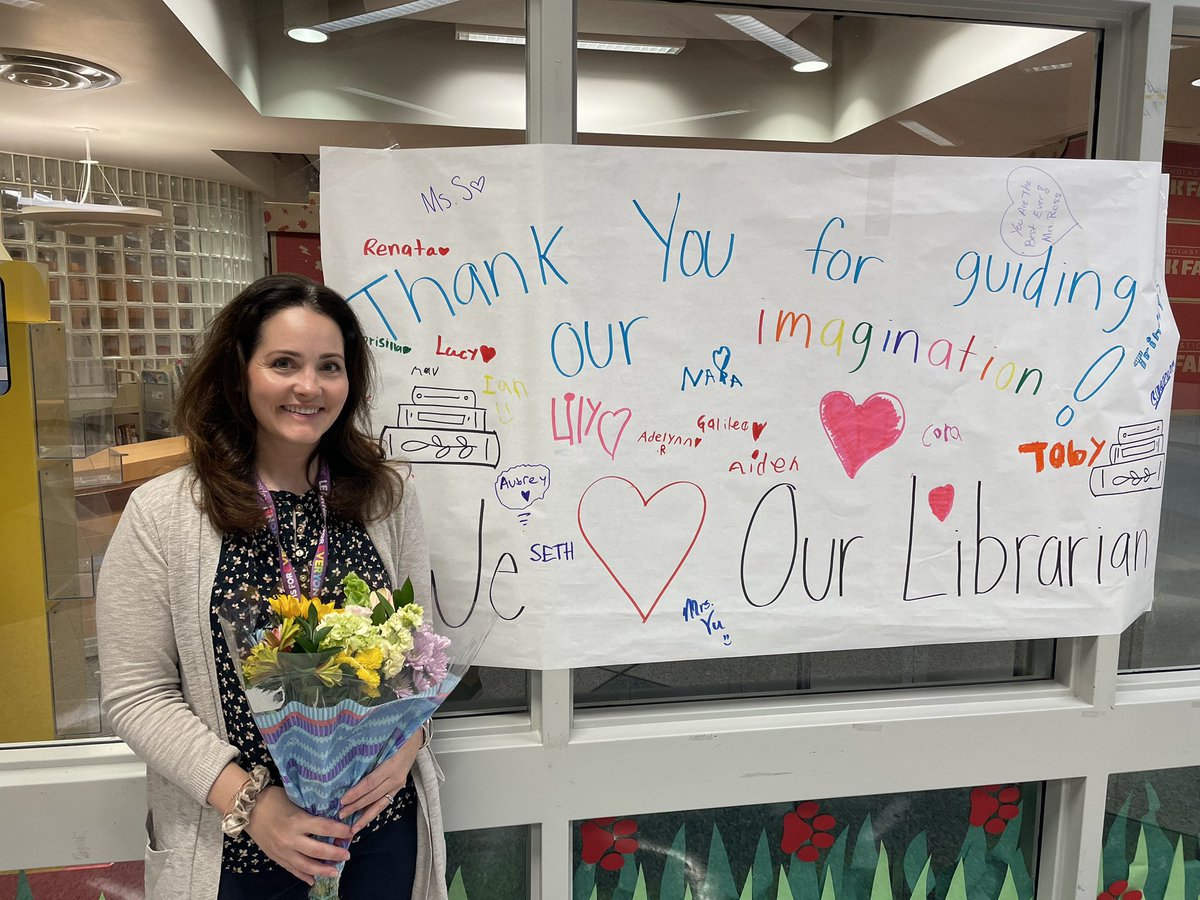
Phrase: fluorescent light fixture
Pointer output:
(614, 43)
(381, 15)
(307, 35)
(928, 133)
(767, 35)
(816, 65)
(1049, 67)
(1196, 82)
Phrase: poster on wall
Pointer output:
(670, 404)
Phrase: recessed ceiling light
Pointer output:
(307, 35)
(928, 133)
(816, 65)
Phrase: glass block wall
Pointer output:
(141, 298)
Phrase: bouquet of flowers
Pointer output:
(335, 692)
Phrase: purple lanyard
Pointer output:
(316, 568)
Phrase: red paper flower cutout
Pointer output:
(994, 806)
(807, 831)
(607, 841)
(1118, 891)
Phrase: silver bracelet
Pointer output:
(235, 821)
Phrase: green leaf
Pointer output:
(973, 857)
(674, 884)
(1008, 890)
(1175, 881)
(881, 886)
(381, 613)
(639, 890)
(1116, 867)
(320, 634)
(627, 883)
(835, 863)
(785, 889)
(458, 890)
(921, 886)
(584, 885)
(1138, 868)
(762, 872)
(748, 888)
(958, 884)
(802, 880)
(916, 859)
(24, 891)
(718, 880)
(864, 860)
(829, 891)
(1007, 858)
(1160, 851)
(406, 593)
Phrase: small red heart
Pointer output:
(756, 428)
(488, 353)
(442, 251)
(941, 501)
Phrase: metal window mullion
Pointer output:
(550, 70)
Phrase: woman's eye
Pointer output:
(282, 363)
(332, 367)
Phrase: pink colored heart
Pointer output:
(859, 431)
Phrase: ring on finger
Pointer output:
(389, 797)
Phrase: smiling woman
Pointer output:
(283, 470)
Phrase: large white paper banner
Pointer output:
(673, 404)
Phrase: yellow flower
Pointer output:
(262, 662)
(365, 665)
(286, 606)
(330, 672)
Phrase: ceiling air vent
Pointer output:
(50, 72)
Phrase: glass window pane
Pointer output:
(1152, 815)
(889, 667)
(704, 73)
(489, 863)
(854, 848)
(1168, 636)
(396, 71)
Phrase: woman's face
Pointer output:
(296, 379)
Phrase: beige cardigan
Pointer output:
(159, 682)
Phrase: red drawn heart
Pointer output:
(756, 428)
(488, 353)
(860, 431)
(442, 251)
(649, 527)
(941, 501)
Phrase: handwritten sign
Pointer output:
(813, 402)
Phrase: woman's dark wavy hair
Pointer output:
(213, 411)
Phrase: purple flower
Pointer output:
(427, 659)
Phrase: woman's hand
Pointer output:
(290, 836)
(373, 794)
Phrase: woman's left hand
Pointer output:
(373, 794)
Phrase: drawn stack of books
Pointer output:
(1135, 461)
(442, 426)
